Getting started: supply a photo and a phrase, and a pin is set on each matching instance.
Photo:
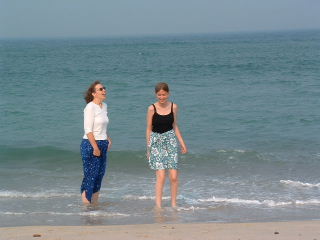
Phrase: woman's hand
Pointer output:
(184, 149)
(96, 152)
(110, 143)
(148, 152)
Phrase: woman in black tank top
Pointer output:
(162, 131)
(162, 123)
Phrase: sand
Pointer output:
(306, 230)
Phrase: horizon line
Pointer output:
(146, 35)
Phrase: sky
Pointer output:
(95, 18)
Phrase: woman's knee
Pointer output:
(161, 175)
(173, 177)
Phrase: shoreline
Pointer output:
(289, 230)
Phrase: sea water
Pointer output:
(248, 111)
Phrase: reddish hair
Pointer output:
(161, 86)
(88, 94)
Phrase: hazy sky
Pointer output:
(75, 18)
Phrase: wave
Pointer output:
(44, 156)
(55, 155)
(46, 194)
(236, 201)
(300, 184)
(135, 197)
(191, 208)
(13, 213)
(144, 197)
(49, 157)
(269, 203)
(234, 150)
(308, 202)
(90, 213)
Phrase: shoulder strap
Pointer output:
(171, 106)
(155, 110)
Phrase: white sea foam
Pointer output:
(188, 200)
(45, 194)
(236, 201)
(299, 184)
(269, 203)
(222, 151)
(191, 208)
(308, 202)
(104, 214)
(240, 150)
(12, 213)
(233, 150)
(135, 197)
(89, 213)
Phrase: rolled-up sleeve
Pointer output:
(88, 115)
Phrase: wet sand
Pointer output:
(306, 230)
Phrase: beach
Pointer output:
(197, 231)
(248, 112)
(244, 82)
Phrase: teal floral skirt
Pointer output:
(163, 151)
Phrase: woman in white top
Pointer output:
(95, 142)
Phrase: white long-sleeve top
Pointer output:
(96, 121)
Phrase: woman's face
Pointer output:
(162, 96)
(100, 92)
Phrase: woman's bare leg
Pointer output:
(174, 186)
(84, 198)
(161, 177)
(95, 198)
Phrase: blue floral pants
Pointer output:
(94, 167)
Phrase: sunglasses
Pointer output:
(100, 89)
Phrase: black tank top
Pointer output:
(162, 123)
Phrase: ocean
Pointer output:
(248, 111)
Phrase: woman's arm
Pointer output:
(176, 129)
(88, 129)
(150, 113)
